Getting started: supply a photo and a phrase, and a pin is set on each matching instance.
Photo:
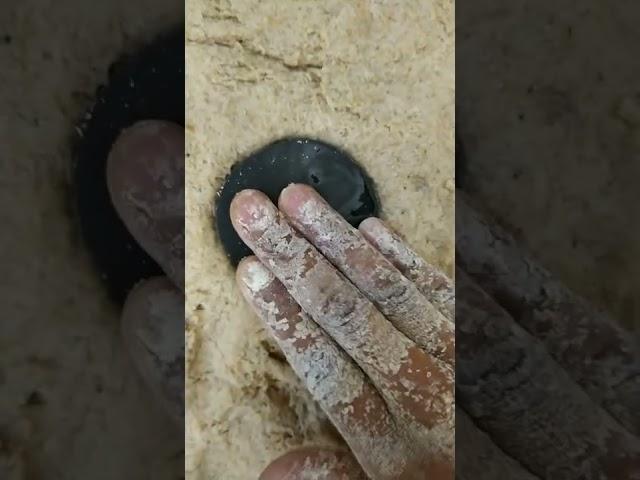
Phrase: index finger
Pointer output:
(145, 176)
(392, 293)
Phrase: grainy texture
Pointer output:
(72, 406)
(375, 78)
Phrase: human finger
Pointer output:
(153, 330)
(430, 281)
(477, 456)
(145, 176)
(418, 387)
(336, 383)
(319, 464)
(392, 293)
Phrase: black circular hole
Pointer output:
(146, 85)
(332, 172)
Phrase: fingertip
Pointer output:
(291, 462)
(243, 266)
(240, 201)
(249, 210)
(139, 151)
(313, 463)
(377, 233)
(153, 331)
(294, 196)
(369, 225)
(252, 276)
(135, 310)
(281, 466)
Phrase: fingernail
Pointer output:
(153, 329)
(372, 226)
(145, 172)
(254, 275)
(294, 196)
(370, 223)
(252, 213)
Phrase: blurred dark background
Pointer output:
(548, 130)
(548, 112)
(71, 404)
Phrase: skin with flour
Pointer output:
(365, 340)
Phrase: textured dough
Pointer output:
(374, 77)
(71, 405)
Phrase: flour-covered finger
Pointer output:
(316, 464)
(390, 291)
(153, 330)
(332, 378)
(430, 281)
(145, 176)
(417, 388)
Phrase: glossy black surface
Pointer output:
(148, 84)
(332, 172)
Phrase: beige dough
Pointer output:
(374, 77)
(71, 404)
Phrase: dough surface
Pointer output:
(375, 78)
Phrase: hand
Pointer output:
(365, 323)
(552, 380)
(145, 174)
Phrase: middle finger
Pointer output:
(408, 378)
(391, 292)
